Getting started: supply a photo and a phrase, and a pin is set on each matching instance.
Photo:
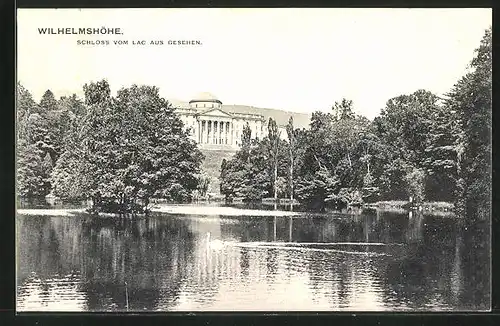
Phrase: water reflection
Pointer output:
(375, 261)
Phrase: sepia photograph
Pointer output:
(270, 160)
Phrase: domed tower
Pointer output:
(205, 101)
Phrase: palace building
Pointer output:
(214, 125)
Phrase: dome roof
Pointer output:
(205, 97)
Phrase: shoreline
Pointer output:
(174, 210)
(435, 209)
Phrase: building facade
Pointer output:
(216, 126)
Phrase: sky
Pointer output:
(300, 60)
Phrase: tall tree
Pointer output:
(32, 177)
(441, 160)
(97, 92)
(32, 147)
(57, 121)
(471, 98)
(246, 175)
(343, 110)
(72, 104)
(331, 167)
(246, 141)
(292, 152)
(48, 101)
(405, 126)
(77, 172)
(25, 106)
(274, 140)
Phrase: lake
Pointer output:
(190, 258)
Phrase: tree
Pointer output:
(248, 175)
(471, 99)
(392, 182)
(343, 110)
(25, 106)
(274, 140)
(33, 146)
(405, 124)
(405, 127)
(372, 154)
(441, 161)
(333, 159)
(316, 189)
(32, 177)
(203, 183)
(97, 92)
(415, 184)
(48, 101)
(133, 148)
(76, 174)
(292, 152)
(57, 120)
(72, 104)
(68, 178)
(246, 141)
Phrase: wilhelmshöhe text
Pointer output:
(77, 31)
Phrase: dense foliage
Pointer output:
(118, 151)
(420, 148)
(470, 100)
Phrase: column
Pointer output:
(225, 133)
(202, 125)
(222, 140)
(216, 130)
(199, 132)
(228, 140)
(195, 130)
(202, 132)
(217, 134)
(232, 131)
(206, 133)
(210, 130)
(222, 132)
(212, 140)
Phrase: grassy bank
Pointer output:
(444, 207)
(425, 205)
(211, 166)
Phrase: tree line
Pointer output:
(123, 150)
(421, 147)
(118, 151)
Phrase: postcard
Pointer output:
(253, 160)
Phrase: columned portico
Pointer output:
(218, 130)
(213, 126)
(214, 131)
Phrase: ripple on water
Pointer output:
(339, 247)
(52, 294)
